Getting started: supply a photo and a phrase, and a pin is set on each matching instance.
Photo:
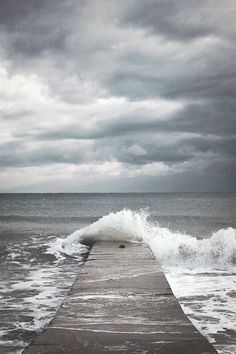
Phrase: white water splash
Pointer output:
(171, 248)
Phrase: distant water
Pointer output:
(193, 235)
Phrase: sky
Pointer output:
(117, 96)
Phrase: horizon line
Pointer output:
(148, 192)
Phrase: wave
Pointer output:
(170, 248)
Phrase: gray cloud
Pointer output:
(183, 20)
(170, 150)
(89, 84)
(18, 154)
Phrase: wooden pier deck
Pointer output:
(120, 303)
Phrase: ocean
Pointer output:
(42, 250)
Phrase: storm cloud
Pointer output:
(131, 95)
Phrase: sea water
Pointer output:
(43, 242)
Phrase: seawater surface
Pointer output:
(193, 236)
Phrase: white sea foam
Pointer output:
(209, 300)
(171, 248)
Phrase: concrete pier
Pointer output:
(120, 303)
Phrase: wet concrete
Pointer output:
(120, 303)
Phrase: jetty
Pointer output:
(121, 302)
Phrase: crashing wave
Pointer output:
(170, 248)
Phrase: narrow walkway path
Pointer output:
(121, 303)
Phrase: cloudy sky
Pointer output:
(117, 95)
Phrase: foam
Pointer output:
(171, 248)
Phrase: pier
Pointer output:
(121, 302)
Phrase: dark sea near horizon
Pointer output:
(193, 236)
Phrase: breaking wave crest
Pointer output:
(170, 248)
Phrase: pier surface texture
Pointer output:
(120, 303)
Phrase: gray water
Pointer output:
(33, 283)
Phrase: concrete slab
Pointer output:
(121, 303)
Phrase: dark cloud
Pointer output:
(173, 19)
(200, 119)
(11, 12)
(167, 149)
(32, 27)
